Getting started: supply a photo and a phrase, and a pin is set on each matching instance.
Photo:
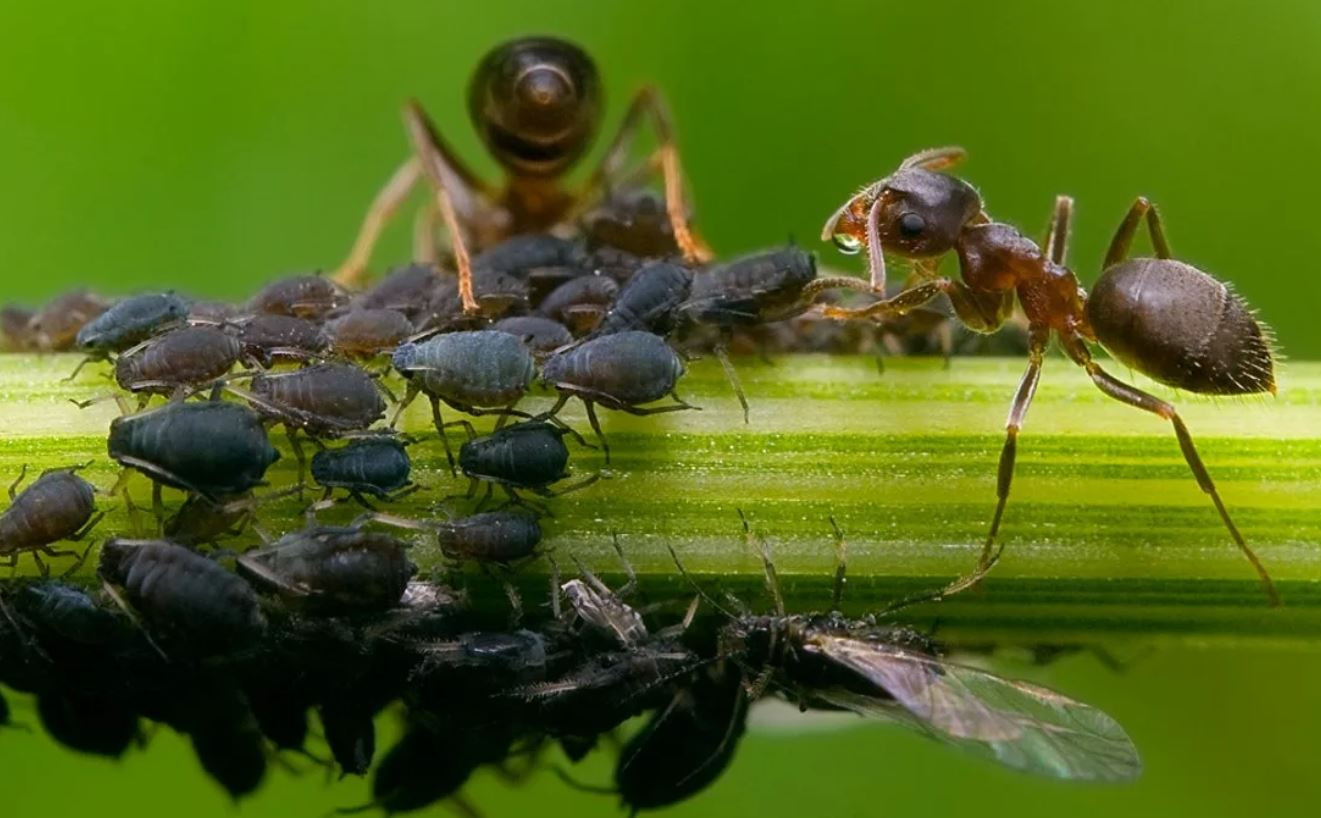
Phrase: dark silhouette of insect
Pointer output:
(539, 334)
(6, 718)
(649, 301)
(619, 371)
(303, 296)
(59, 505)
(530, 455)
(1162, 317)
(129, 322)
(89, 722)
(67, 616)
(55, 326)
(178, 362)
(634, 221)
(580, 303)
(480, 372)
(272, 339)
(536, 103)
(375, 466)
(412, 289)
(325, 400)
(366, 333)
(189, 600)
(213, 448)
(542, 260)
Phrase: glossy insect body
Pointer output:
(185, 357)
(539, 334)
(758, 288)
(131, 321)
(323, 400)
(373, 466)
(186, 597)
(335, 568)
(306, 296)
(366, 333)
(493, 536)
(58, 506)
(211, 448)
(529, 455)
(478, 369)
(649, 301)
(618, 371)
(1160, 316)
(270, 339)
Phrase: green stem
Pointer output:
(1107, 535)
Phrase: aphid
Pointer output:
(55, 326)
(375, 466)
(539, 334)
(130, 322)
(69, 614)
(618, 371)
(87, 722)
(635, 221)
(178, 361)
(271, 339)
(331, 568)
(1162, 317)
(649, 301)
(215, 717)
(366, 333)
(530, 455)
(204, 521)
(536, 103)
(490, 537)
(412, 289)
(580, 303)
(542, 260)
(15, 323)
(188, 599)
(497, 293)
(425, 767)
(59, 505)
(212, 312)
(304, 296)
(478, 373)
(212, 448)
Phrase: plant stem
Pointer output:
(1107, 536)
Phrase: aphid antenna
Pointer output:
(133, 617)
(701, 594)
(841, 564)
(768, 565)
(958, 585)
(741, 703)
(568, 779)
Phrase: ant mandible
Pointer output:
(1159, 316)
(536, 103)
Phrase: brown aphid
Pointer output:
(1162, 317)
(178, 361)
(304, 296)
(56, 325)
(14, 323)
(271, 339)
(58, 506)
(413, 289)
(366, 333)
(536, 103)
(580, 303)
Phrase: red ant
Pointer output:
(1162, 317)
(536, 103)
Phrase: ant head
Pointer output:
(915, 212)
(536, 102)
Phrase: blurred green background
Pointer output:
(211, 146)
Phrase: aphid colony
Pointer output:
(598, 294)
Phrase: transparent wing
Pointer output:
(1017, 724)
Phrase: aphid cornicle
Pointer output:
(59, 505)
(212, 448)
(188, 357)
(303, 296)
(191, 601)
(374, 466)
(619, 371)
(536, 103)
(1162, 317)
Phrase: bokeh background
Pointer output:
(211, 146)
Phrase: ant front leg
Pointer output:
(898, 305)
(1027, 388)
(1125, 393)
(457, 191)
(1123, 240)
(648, 104)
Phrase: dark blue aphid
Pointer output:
(130, 322)
(493, 536)
(69, 614)
(755, 289)
(619, 371)
(649, 301)
(529, 455)
(479, 372)
(378, 467)
(213, 448)
(332, 568)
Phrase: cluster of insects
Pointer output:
(599, 294)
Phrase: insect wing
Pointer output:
(1017, 724)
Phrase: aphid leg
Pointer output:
(395, 520)
(722, 355)
(515, 599)
(768, 567)
(41, 566)
(291, 432)
(158, 507)
(596, 427)
(440, 430)
(556, 611)
(632, 584)
(79, 368)
(451, 181)
(1124, 393)
(409, 396)
(1027, 388)
(841, 565)
(581, 484)
(426, 223)
(78, 563)
(465, 425)
(1056, 245)
(13, 487)
(379, 214)
(572, 432)
(357, 497)
(649, 104)
(1123, 240)
(78, 535)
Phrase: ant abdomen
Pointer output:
(1181, 327)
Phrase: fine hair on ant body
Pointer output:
(1159, 316)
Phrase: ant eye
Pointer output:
(847, 244)
(911, 225)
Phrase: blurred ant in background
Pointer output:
(1161, 317)
(536, 103)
